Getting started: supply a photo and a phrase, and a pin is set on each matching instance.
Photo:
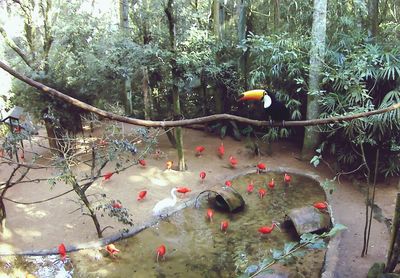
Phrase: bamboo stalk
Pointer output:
(89, 108)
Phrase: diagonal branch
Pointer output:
(73, 101)
(14, 47)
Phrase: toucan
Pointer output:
(273, 107)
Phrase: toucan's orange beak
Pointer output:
(252, 95)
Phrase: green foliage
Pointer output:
(292, 249)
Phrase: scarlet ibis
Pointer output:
(165, 203)
(22, 155)
(287, 178)
(262, 192)
(183, 190)
(221, 150)
(210, 214)
(202, 176)
(199, 150)
(224, 226)
(107, 176)
(103, 142)
(141, 195)
(267, 229)
(228, 183)
(321, 205)
(62, 251)
(250, 187)
(261, 167)
(233, 161)
(161, 250)
(142, 162)
(116, 204)
(271, 184)
(273, 107)
(169, 164)
(112, 250)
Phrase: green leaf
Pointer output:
(251, 269)
(265, 262)
(337, 228)
(308, 237)
(319, 244)
(289, 246)
(276, 254)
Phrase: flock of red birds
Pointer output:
(233, 162)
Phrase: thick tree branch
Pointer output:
(14, 47)
(54, 93)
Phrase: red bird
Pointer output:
(271, 184)
(183, 190)
(224, 225)
(141, 195)
(202, 175)
(221, 150)
(22, 156)
(210, 214)
(62, 251)
(116, 205)
(142, 162)
(262, 192)
(261, 167)
(321, 205)
(112, 250)
(161, 252)
(267, 229)
(228, 183)
(107, 176)
(199, 150)
(233, 161)
(250, 187)
(103, 142)
(287, 178)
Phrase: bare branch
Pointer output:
(52, 92)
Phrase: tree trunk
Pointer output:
(373, 18)
(277, 14)
(175, 90)
(146, 94)
(78, 190)
(124, 25)
(242, 23)
(218, 13)
(394, 245)
(318, 35)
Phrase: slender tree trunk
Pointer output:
(394, 245)
(277, 14)
(124, 25)
(242, 24)
(218, 13)
(373, 18)
(87, 204)
(175, 91)
(318, 35)
(146, 94)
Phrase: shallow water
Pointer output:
(198, 248)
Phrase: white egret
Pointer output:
(165, 203)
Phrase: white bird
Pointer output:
(165, 203)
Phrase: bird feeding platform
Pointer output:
(226, 198)
(308, 220)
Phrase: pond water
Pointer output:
(196, 247)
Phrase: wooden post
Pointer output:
(394, 245)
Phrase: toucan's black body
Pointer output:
(277, 111)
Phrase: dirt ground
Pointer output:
(46, 225)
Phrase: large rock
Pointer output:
(309, 219)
